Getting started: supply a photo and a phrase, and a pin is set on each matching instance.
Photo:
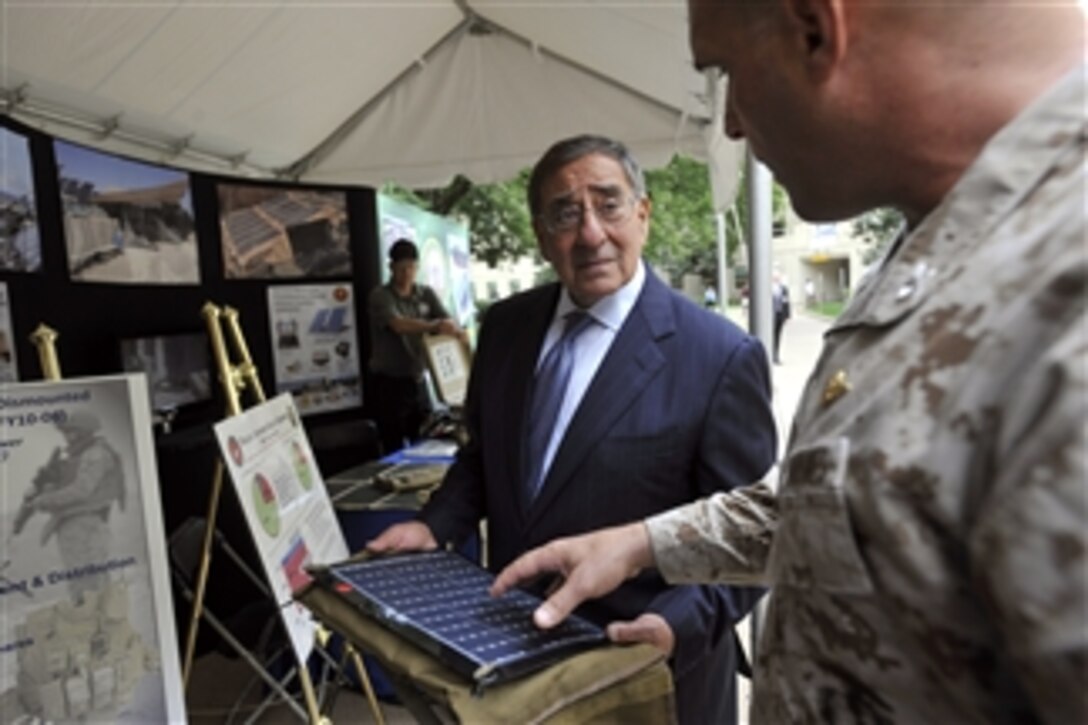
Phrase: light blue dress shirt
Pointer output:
(590, 348)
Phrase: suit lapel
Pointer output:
(630, 364)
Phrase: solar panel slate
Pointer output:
(439, 601)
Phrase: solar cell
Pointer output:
(249, 230)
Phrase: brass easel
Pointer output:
(235, 379)
(45, 339)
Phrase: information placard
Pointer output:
(286, 504)
(87, 627)
(449, 362)
(315, 345)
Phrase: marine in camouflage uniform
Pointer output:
(91, 479)
(927, 541)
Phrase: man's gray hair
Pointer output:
(571, 149)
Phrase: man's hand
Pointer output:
(408, 536)
(592, 565)
(446, 326)
(649, 628)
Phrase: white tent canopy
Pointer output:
(357, 91)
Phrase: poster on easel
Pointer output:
(9, 368)
(86, 616)
(315, 349)
(285, 502)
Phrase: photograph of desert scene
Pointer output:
(126, 222)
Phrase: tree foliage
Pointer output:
(683, 232)
(497, 214)
(877, 229)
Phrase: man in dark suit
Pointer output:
(659, 403)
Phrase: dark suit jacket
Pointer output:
(679, 409)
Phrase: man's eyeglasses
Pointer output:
(567, 216)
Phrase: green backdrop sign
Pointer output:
(443, 253)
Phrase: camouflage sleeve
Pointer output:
(1028, 546)
(93, 465)
(724, 538)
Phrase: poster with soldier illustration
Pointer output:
(87, 627)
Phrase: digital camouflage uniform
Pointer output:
(92, 479)
(927, 542)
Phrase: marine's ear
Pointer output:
(818, 32)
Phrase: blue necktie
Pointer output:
(548, 392)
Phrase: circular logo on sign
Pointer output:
(235, 449)
(264, 503)
(302, 467)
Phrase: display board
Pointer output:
(87, 633)
(93, 315)
(314, 345)
(285, 502)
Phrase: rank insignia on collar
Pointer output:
(837, 386)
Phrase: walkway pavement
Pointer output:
(799, 349)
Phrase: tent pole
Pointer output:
(760, 310)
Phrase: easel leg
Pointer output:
(246, 655)
(202, 572)
(309, 695)
(368, 688)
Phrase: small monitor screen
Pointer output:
(177, 368)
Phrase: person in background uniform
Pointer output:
(780, 300)
(77, 489)
(927, 541)
(665, 402)
(401, 312)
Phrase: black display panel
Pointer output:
(178, 369)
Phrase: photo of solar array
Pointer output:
(272, 232)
